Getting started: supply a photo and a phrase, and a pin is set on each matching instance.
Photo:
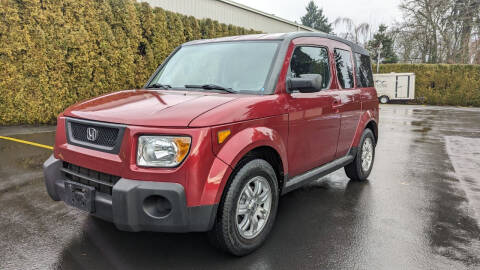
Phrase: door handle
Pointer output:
(336, 104)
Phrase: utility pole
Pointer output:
(378, 57)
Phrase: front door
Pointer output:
(313, 121)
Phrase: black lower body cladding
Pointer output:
(138, 205)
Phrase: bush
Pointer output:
(54, 53)
(442, 84)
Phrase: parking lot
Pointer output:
(420, 209)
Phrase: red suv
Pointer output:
(221, 130)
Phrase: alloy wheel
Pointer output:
(367, 154)
(253, 207)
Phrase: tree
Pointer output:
(465, 12)
(355, 33)
(207, 28)
(386, 52)
(315, 18)
(55, 53)
(443, 31)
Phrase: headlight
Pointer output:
(162, 151)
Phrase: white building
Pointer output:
(229, 12)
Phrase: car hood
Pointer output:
(148, 107)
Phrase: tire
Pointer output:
(358, 169)
(384, 99)
(227, 234)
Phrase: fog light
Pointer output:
(157, 206)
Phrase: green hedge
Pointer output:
(442, 84)
(54, 53)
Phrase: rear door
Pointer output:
(313, 122)
(349, 105)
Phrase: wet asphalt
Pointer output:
(420, 209)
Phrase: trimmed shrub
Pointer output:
(54, 53)
(442, 84)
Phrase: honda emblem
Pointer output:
(92, 134)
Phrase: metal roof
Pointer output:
(300, 26)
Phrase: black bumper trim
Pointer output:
(125, 206)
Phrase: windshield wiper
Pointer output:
(159, 85)
(211, 87)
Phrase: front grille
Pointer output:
(106, 136)
(102, 182)
(101, 136)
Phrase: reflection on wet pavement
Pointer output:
(464, 154)
(417, 211)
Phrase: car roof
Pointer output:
(282, 36)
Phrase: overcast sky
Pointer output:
(373, 12)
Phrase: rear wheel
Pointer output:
(384, 99)
(247, 211)
(360, 168)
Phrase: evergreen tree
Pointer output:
(315, 18)
(81, 48)
(218, 29)
(386, 53)
(55, 53)
(159, 41)
(124, 56)
(224, 30)
(145, 66)
(32, 60)
(191, 28)
(175, 32)
(15, 41)
(208, 29)
(107, 73)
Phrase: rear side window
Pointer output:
(343, 61)
(364, 70)
(310, 60)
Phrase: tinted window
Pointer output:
(364, 70)
(310, 60)
(344, 68)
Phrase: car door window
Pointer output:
(364, 70)
(343, 62)
(310, 60)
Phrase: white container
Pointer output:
(395, 86)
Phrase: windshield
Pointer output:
(239, 66)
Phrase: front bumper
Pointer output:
(126, 206)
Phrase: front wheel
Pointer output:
(362, 164)
(247, 212)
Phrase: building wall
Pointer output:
(229, 12)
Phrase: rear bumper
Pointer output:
(127, 207)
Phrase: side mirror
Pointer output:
(307, 83)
